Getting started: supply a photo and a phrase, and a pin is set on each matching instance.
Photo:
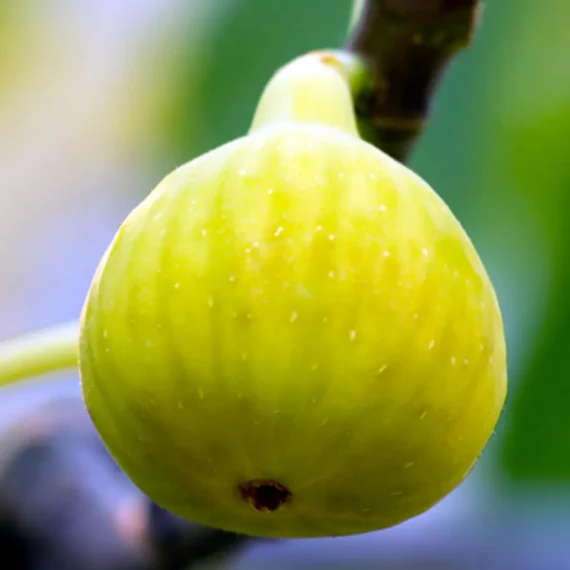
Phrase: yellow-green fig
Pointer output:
(293, 336)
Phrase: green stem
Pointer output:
(40, 352)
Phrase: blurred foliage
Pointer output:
(532, 119)
(17, 32)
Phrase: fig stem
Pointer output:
(318, 87)
(407, 44)
(39, 352)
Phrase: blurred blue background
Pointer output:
(100, 99)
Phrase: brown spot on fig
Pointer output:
(265, 496)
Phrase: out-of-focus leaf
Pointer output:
(528, 94)
(24, 48)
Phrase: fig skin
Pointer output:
(294, 308)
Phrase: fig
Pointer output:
(292, 335)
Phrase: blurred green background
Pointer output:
(100, 99)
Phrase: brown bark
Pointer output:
(408, 44)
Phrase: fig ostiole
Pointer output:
(292, 335)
